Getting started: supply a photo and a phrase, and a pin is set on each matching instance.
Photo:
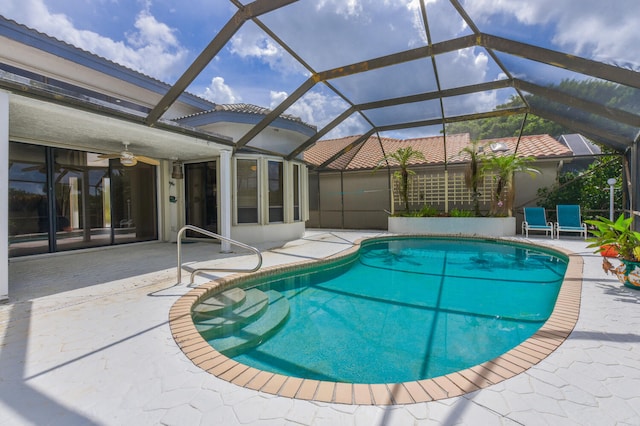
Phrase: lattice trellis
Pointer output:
(436, 189)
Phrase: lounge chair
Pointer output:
(535, 219)
(569, 220)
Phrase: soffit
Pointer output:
(37, 121)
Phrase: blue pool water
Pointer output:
(400, 310)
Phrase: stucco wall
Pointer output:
(353, 200)
(358, 199)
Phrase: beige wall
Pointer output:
(351, 200)
(358, 199)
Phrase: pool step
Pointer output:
(220, 303)
(253, 305)
(254, 333)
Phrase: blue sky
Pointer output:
(161, 37)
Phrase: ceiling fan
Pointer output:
(127, 158)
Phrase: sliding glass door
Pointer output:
(61, 199)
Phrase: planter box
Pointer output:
(485, 226)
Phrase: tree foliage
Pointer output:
(473, 173)
(588, 189)
(508, 126)
(403, 157)
(504, 167)
(605, 93)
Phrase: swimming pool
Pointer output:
(398, 310)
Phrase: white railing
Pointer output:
(218, 237)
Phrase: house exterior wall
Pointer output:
(358, 199)
(4, 194)
(350, 200)
(105, 101)
(330, 206)
(366, 197)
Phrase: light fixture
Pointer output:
(177, 170)
(611, 182)
(127, 159)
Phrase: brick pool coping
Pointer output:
(527, 354)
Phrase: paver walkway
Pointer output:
(85, 340)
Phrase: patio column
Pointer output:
(225, 198)
(4, 195)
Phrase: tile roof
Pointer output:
(67, 51)
(242, 108)
(253, 109)
(367, 154)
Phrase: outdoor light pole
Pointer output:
(611, 182)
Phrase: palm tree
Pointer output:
(402, 156)
(504, 167)
(474, 173)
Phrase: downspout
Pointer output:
(342, 196)
(389, 182)
(226, 199)
(4, 195)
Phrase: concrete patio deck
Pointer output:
(85, 340)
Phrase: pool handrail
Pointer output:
(219, 237)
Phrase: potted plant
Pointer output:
(626, 241)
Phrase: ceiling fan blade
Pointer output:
(147, 160)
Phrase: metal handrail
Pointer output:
(219, 237)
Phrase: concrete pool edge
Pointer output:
(519, 359)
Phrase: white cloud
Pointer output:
(320, 109)
(252, 43)
(152, 48)
(220, 93)
(314, 108)
(277, 98)
(591, 28)
(344, 8)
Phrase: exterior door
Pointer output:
(201, 194)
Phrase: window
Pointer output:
(247, 190)
(276, 191)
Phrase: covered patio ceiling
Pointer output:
(422, 81)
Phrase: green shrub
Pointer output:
(428, 211)
(461, 213)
